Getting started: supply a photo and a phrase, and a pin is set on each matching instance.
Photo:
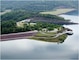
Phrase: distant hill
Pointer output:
(37, 5)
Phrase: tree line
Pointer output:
(38, 6)
(10, 27)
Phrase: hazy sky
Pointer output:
(38, 0)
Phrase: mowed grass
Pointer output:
(21, 24)
(49, 37)
(47, 34)
(58, 11)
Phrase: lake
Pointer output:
(32, 49)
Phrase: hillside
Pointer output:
(37, 6)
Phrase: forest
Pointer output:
(9, 20)
(10, 27)
(21, 10)
(21, 15)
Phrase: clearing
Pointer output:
(58, 11)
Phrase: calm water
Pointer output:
(32, 49)
(75, 12)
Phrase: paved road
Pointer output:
(13, 36)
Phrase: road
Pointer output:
(13, 36)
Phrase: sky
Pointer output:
(38, 0)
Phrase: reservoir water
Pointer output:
(32, 49)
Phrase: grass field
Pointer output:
(48, 37)
(21, 24)
(58, 11)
